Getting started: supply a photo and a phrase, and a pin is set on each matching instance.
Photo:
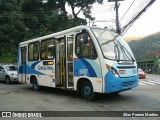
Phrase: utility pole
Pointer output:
(117, 17)
(118, 29)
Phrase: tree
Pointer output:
(84, 6)
(21, 20)
(11, 29)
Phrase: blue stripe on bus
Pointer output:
(91, 71)
(34, 64)
(82, 65)
(25, 69)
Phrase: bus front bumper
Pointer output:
(117, 84)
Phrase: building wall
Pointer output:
(150, 65)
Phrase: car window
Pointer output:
(1, 68)
(10, 68)
(140, 70)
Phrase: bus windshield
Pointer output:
(113, 45)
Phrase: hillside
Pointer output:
(139, 38)
(145, 45)
(132, 38)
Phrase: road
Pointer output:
(21, 97)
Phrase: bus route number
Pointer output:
(83, 72)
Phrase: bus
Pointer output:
(85, 59)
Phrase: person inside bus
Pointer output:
(43, 55)
(49, 55)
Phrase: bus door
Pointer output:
(64, 62)
(69, 61)
(23, 64)
(60, 63)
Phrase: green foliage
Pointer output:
(21, 20)
(145, 45)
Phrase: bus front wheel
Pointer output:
(87, 90)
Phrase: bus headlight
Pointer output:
(113, 70)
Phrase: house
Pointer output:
(150, 63)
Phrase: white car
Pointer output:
(8, 73)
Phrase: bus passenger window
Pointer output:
(47, 49)
(33, 51)
(85, 46)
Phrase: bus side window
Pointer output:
(84, 46)
(47, 49)
(33, 51)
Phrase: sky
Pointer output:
(148, 23)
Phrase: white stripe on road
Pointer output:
(147, 82)
(156, 80)
(141, 83)
(153, 81)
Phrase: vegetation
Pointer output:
(21, 20)
(145, 45)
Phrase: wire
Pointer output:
(130, 23)
(127, 10)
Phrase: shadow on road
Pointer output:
(60, 92)
(73, 94)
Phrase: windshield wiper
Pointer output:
(124, 49)
(116, 50)
(129, 54)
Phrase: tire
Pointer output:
(87, 90)
(8, 81)
(35, 85)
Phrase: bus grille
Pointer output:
(126, 67)
(129, 83)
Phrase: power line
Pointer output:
(136, 10)
(130, 23)
(127, 10)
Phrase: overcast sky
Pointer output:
(148, 23)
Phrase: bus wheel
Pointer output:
(35, 85)
(87, 90)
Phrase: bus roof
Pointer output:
(54, 35)
(58, 34)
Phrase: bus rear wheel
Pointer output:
(35, 85)
(87, 90)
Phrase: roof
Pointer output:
(61, 33)
(156, 54)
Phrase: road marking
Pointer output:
(147, 82)
(153, 81)
(141, 83)
(156, 80)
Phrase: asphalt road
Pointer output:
(21, 97)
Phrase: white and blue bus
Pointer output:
(88, 60)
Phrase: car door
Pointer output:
(1, 73)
